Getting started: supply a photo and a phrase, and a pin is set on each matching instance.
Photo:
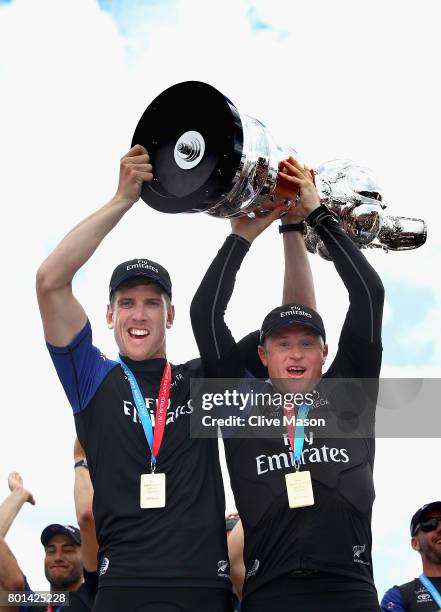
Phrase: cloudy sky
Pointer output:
(332, 78)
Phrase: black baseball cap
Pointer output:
(54, 529)
(291, 313)
(140, 267)
(419, 514)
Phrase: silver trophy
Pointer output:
(209, 157)
(353, 194)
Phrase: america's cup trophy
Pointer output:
(209, 157)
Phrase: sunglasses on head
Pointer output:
(428, 525)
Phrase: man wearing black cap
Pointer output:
(423, 593)
(158, 496)
(63, 561)
(63, 564)
(63, 567)
(158, 493)
(305, 500)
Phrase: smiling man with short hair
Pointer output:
(68, 557)
(63, 564)
(152, 482)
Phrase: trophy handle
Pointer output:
(402, 233)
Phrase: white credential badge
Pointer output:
(299, 488)
(152, 494)
(298, 484)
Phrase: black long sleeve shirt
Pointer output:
(334, 535)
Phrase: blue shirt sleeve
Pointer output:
(81, 368)
(26, 589)
(392, 601)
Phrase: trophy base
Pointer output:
(194, 137)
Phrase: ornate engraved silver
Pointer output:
(354, 195)
(209, 157)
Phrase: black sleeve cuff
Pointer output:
(292, 227)
(320, 214)
(241, 239)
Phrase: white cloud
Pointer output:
(387, 312)
(424, 334)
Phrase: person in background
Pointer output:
(70, 561)
(11, 576)
(422, 594)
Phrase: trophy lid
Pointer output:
(194, 137)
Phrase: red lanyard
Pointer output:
(161, 411)
(290, 425)
(154, 439)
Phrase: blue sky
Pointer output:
(409, 306)
(131, 15)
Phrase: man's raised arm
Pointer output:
(11, 576)
(62, 315)
(12, 505)
(212, 335)
(360, 339)
(298, 284)
(83, 496)
(364, 286)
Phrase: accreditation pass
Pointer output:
(152, 491)
(299, 488)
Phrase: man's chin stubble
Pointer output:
(63, 585)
